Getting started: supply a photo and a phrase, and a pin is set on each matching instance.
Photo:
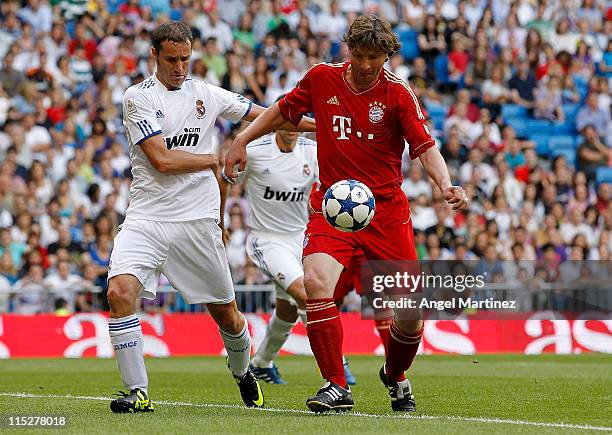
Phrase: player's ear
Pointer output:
(154, 52)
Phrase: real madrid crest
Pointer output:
(200, 109)
(306, 170)
(376, 112)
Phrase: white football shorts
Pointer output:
(190, 254)
(279, 256)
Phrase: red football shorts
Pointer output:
(388, 237)
(350, 278)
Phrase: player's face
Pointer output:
(287, 137)
(366, 65)
(173, 63)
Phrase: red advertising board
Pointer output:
(86, 335)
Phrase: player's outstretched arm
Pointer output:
(176, 162)
(264, 123)
(434, 164)
(306, 123)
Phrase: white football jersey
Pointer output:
(185, 119)
(278, 184)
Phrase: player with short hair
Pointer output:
(364, 114)
(278, 178)
(172, 222)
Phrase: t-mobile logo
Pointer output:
(343, 125)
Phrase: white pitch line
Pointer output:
(349, 414)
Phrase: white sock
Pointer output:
(126, 338)
(302, 314)
(277, 332)
(238, 349)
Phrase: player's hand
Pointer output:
(456, 197)
(236, 155)
(225, 235)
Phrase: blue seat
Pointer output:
(436, 110)
(538, 126)
(607, 61)
(578, 139)
(603, 175)
(410, 46)
(565, 128)
(513, 111)
(542, 145)
(438, 122)
(569, 154)
(519, 126)
(441, 69)
(561, 141)
(570, 111)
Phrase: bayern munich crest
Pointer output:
(376, 112)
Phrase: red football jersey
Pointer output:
(360, 135)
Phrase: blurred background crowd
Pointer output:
(517, 93)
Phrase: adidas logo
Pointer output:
(266, 171)
(159, 114)
(333, 100)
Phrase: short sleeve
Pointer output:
(139, 116)
(232, 106)
(413, 123)
(298, 102)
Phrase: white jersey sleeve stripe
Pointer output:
(249, 109)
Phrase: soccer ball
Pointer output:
(348, 206)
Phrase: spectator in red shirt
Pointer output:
(81, 40)
(473, 112)
(458, 60)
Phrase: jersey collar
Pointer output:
(164, 86)
(345, 68)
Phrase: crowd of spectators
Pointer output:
(64, 165)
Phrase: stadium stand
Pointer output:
(64, 162)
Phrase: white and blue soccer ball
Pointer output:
(349, 206)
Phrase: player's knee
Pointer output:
(286, 311)
(315, 286)
(120, 297)
(409, 326)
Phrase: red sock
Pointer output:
(324, 330)
(401, 352)
(382, 326)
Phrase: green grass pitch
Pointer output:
(455, 394)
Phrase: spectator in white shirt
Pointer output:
(36, 142)
(575, 226)
(477, 172)
(31, 295)
(332, 24)
(468, 131)
(414, 185)
(5, 287)
(210, 26)
(63, 284)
